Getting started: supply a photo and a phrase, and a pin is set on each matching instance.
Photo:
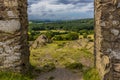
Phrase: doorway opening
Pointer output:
(61, 36)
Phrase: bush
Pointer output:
(49, 34)
(85, 35)
(33, 35)
(69, 36)
(13, 76)
(48, 67)
(72, 36)
(91, 74)
(91, 40)
(75, 65)
(83, 32)
(57, 37)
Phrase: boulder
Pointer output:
(40, 41)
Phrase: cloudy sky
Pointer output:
(60, 9)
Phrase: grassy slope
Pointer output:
(13, 76)
(62, 52)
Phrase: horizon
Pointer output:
(58, 20)
(55, 10)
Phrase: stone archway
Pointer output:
(14, 50)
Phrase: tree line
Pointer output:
(73, 25)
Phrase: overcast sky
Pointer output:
(60, 9)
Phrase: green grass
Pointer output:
(91, 74)
(67, 54)
(74, 66)
(59, 53)
(13, 76)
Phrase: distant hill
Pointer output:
(70, 25)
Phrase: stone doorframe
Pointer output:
(107, 38)
(14, 50)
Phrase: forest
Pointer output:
(71, 25)
(58, 29)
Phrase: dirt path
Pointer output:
(60, 74)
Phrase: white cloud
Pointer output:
(53, 9)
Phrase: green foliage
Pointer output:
(58, 38)
(13, 76)
(90, 39)
(87, 53)
(85, 31)
(48, 67)
(33, 35)
(91, 74)
(73, 25)
(72, 36)
(49, 34)
(74, 65)
(69, 36)
(62, 44)
(85, 35)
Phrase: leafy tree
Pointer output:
(49, 34)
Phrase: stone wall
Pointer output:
(14, 50)
(107, 43)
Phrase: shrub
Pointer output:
(85, 35)
(13, 76)
(75, 65)
(72, 36)
(57, 37)
(89, 37)
(49, 34)
(33, 35)
(48, 67)
(91, 74)
(91, 40)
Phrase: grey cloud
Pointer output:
(63, 1)
(43, 10)
(74, 1)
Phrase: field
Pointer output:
(63, 52)
(69, 52)
(73, 57)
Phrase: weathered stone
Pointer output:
(115, 23)
(103, 24)
(107, 46)
(40, 42)
(117, 67)
(9, 26)
(14, 50)
(115, 32)
(118, 6)
(11, 14)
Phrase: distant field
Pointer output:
(61, 31)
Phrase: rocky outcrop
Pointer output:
(14, 50)
(40, 41)
(107, 35)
